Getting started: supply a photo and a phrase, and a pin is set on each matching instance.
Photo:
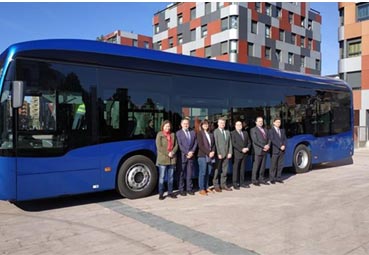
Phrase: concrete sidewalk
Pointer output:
(325, 211)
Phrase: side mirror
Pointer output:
(17, 94)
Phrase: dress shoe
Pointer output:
(264, 182)
(191, 193)
(256, 184)
(236, 187)
(227, 189)
(246, 186)
(183, 193)
(272, 182)
(280, 181)
(161, 197)
(217, 189)
(210, 191)
(172, 195)
(203, 193)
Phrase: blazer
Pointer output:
(204, 148)
(259, 141)
(162, 151)
(277, 141)
(238, 143)
(223, 147)
(186, 146)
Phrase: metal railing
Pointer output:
(361, 136)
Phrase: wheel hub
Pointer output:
(138, 176)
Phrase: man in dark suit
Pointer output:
(261, 145)
(241, 146)
(187, 144)
(223, 146)
(278, 140)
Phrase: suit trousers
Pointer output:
(276, 166)
(238, 174)
(259, 165)
(186, 173)
(222, 170)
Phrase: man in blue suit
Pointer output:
(187, 144)
(278, 140)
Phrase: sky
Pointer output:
(88, 20)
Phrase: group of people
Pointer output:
(214, 150)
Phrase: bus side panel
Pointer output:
(78, 171)
(7, 178)
(112, 153)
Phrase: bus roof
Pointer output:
(91, 46)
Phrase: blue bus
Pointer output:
(74, 113)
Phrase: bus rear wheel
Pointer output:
(137, 177)
(302, 159)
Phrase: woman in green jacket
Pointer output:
(166, 146)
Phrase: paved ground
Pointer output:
(325, 211)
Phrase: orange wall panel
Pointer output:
(207, 41)
(179, 49)
(200, 52)
(242, 51)
(214, 27)
(283, 23)
(126, 41)
(303, 9)
(172, 32)
(365, 27)
(156, 19)
(352, 30)
(266, 62)
(350, 13)
(365, 78)
(357, 99)
(365, 62)
(223, 57)
(195, 23)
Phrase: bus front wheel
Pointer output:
(137, 177)
(302, 159)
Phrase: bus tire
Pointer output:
(137, 177)
(301, 159)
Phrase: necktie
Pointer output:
(279, 132)
(188, 136)
(263, 132)
(241, 134)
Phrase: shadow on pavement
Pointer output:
(67, 201)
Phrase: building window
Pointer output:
(250, 49)
(254, 27)
(354, 79)
(180, 39)
(193, 53)
(134, 43)
(362, 11)
(354, 48)
(180, 18)
(310, 43)
(267, 31)
(208, 52)
(342, 55)
(257, 6)
(167, 23)
(112, 39)
(310, 24)
(290, 58)
(156, 28)
(146, 45)
(267, 53)
(281, 35)
(317, 64)
(233, 22)
(193, 34)
(302, 43)
(224, 48)
(207, 8)
(204, 31)
(293, 39)
(302, 64)
(170, 42)
(279, 12)
(193, 13)
(342, 16)
(290, 17)
(224, 23)
(219, 5)
(278, 55)
(233, 46)
(303, 21)
(159, 45)
(268, 9)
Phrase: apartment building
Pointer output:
(280, 35)
(127, 38)
(353, 65)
